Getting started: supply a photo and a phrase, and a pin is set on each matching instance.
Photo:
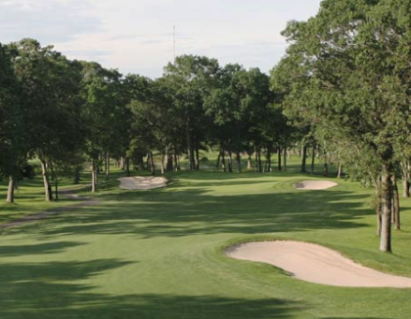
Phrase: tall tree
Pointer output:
(12, 122)
(191, 78)
(51, 85)
(354, 52)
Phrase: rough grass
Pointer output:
(158, 254)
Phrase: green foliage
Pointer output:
(341, 75)
(12, 118)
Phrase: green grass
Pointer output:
(29, 199)
(158, 254)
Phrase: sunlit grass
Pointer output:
(159, 254)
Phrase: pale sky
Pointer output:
(136, 36)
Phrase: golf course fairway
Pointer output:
(160, 253)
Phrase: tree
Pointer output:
(51, 85)
(353, 54)
(12, 122)
(156, 125)
(105, 113)
(191, 78)
(223, 104)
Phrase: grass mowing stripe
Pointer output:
(158, 254)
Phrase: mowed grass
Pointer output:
(29, 200)
(159, 254)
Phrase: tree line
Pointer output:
(66, 113)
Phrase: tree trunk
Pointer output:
(223, 160)
(48, 196)
(176, 161)
(249, 162)
(279, 153)
(386, 194)
(153, 168)
(98, 168)
(77, 171)
(260, 164)
(162, 168)
(340, 170)
(238, 160)
(285, 158)
(10, 189)
(325, 168)
(107, 161)
(405, 167)
(267, 167)
(93, 177)
(217, 165)
(257, 163)
(405, 186)
(170, 166)
(378, 205)
(313, 159)
(230, 161)
(304, 160)
(127, 162)
(396, 204)
(197, 159)
(190, 150)
(148, 163)
(56, 187)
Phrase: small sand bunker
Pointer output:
(142, 183)
(315, 185)
(317, 264)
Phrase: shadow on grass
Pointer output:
(39, 249)
(196, 212)
(58, 290)
(36, 291)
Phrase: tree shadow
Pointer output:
(36, 249)
(195, 211)
(37, 291)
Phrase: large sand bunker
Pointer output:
(142, 183)
(317, 264)
(315, 185)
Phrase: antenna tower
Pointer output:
(174, 43)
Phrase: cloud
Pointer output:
(153, 37)
(137, 35)
(86, 54)
(46, 20)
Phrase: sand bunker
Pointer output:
(317, 264)
(315, 185)
(142, 183)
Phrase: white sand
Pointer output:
(142, 183)
(317, 264)
(315, 185)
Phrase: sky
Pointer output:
(136, 36)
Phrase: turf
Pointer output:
(158, 254)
